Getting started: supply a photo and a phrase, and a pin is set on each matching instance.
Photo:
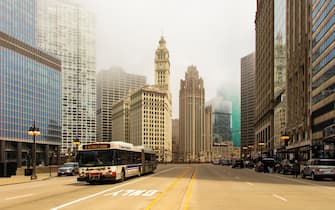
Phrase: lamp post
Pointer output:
(250, 147)
(245, 148)
(261, 144)
(285, 138)
(77, 143)
(34, 131)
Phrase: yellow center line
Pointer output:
(189, 191)
(154, 202)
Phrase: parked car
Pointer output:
(238, 164)
(216, 162)
(286, 166)
(70, 168)
(249, 164)
(226, 162)
(265, 165)
(319, 168)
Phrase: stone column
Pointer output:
(46, 156)
(19, 154)
(2, 151)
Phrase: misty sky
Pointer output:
(210, 34)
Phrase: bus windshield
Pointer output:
(96, 158)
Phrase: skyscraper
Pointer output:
(175, 140)
(150, 121)
(18, 20)
(67, 31)
(120, 120)
(264, 75)
(112, 85)
(298, 89)
(150, 110)
(30, 89)
(248, 84)
(191, 116)
(323, 79)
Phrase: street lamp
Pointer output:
(77, 143)
(250, 147)
(261, 144)
(34, 131)
(285, 138)
(245, 148)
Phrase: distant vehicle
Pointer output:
(269, 164)
(286, 166)
(238, 164)
(265, 165)
(114, 161)
(70, 168)
(226, 162)
(216, 162)
(249, 164)
(319, 168)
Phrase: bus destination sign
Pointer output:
(96, 146)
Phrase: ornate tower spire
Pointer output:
(162, 66)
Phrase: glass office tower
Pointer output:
(323, 79)
(17, 18)
(30, 89)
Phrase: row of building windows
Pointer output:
(330, 40)
(325, 12)
(324, 94)
(323, 110)
(323, 31)
(317, 8)
(29, 91)
(329, 57)
(17, 19)
(324, 77)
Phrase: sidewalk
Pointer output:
(18, 179)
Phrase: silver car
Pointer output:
(70, 168)
(319, 168)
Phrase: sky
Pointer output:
(213, 35)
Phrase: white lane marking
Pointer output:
(150, 193)
(108, 190)
(19, 196)
(251, 184)
(279, 197)
(146, 193)
(113, 193)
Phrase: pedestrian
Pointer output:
(296, 168)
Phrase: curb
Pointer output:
(27, 181)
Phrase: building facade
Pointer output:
(150, 121)
(221, 126)
(208, 130)
(112, 86)
(30, 90)
(298, 80)
(279, 98)
(191, 116)
(150, 111)
(264, 129)
(66, 30)
(18, 18)
(323, 78)
(175, 140)
(120, 119)
(248, 84)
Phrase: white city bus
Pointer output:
(112, 161)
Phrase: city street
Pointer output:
(194, 186)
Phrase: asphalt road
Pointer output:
(176, 187)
